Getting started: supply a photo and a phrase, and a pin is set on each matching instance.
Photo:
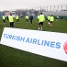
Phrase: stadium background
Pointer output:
(56, 10)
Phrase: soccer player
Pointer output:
(31, 18)
(17, 18)
(51, 20)
(57, 18)
(27, 18)
(38, 21)
(41, 19)
(4, 19)
(11, 20)
(48, 17)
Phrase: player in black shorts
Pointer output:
(4, 19)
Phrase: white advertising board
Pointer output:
(49, 44)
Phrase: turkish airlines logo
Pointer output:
(65, 47)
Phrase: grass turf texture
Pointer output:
(10, 57)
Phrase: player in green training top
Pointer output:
(48, 17)
(4, 19)
(11, 20)
(17, 18)
(41, 19)
(57, 18)
(51, 20)
(27, 18)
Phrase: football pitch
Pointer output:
(10, 57)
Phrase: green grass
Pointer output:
(10, 57)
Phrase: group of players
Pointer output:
(41, 19)
(10, 18)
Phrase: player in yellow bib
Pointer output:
(17, 18)
(48, 18)
(11, 20)
(51, 20)
(57, 18)
(41, 19)
(4, 19)
(27, 18)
